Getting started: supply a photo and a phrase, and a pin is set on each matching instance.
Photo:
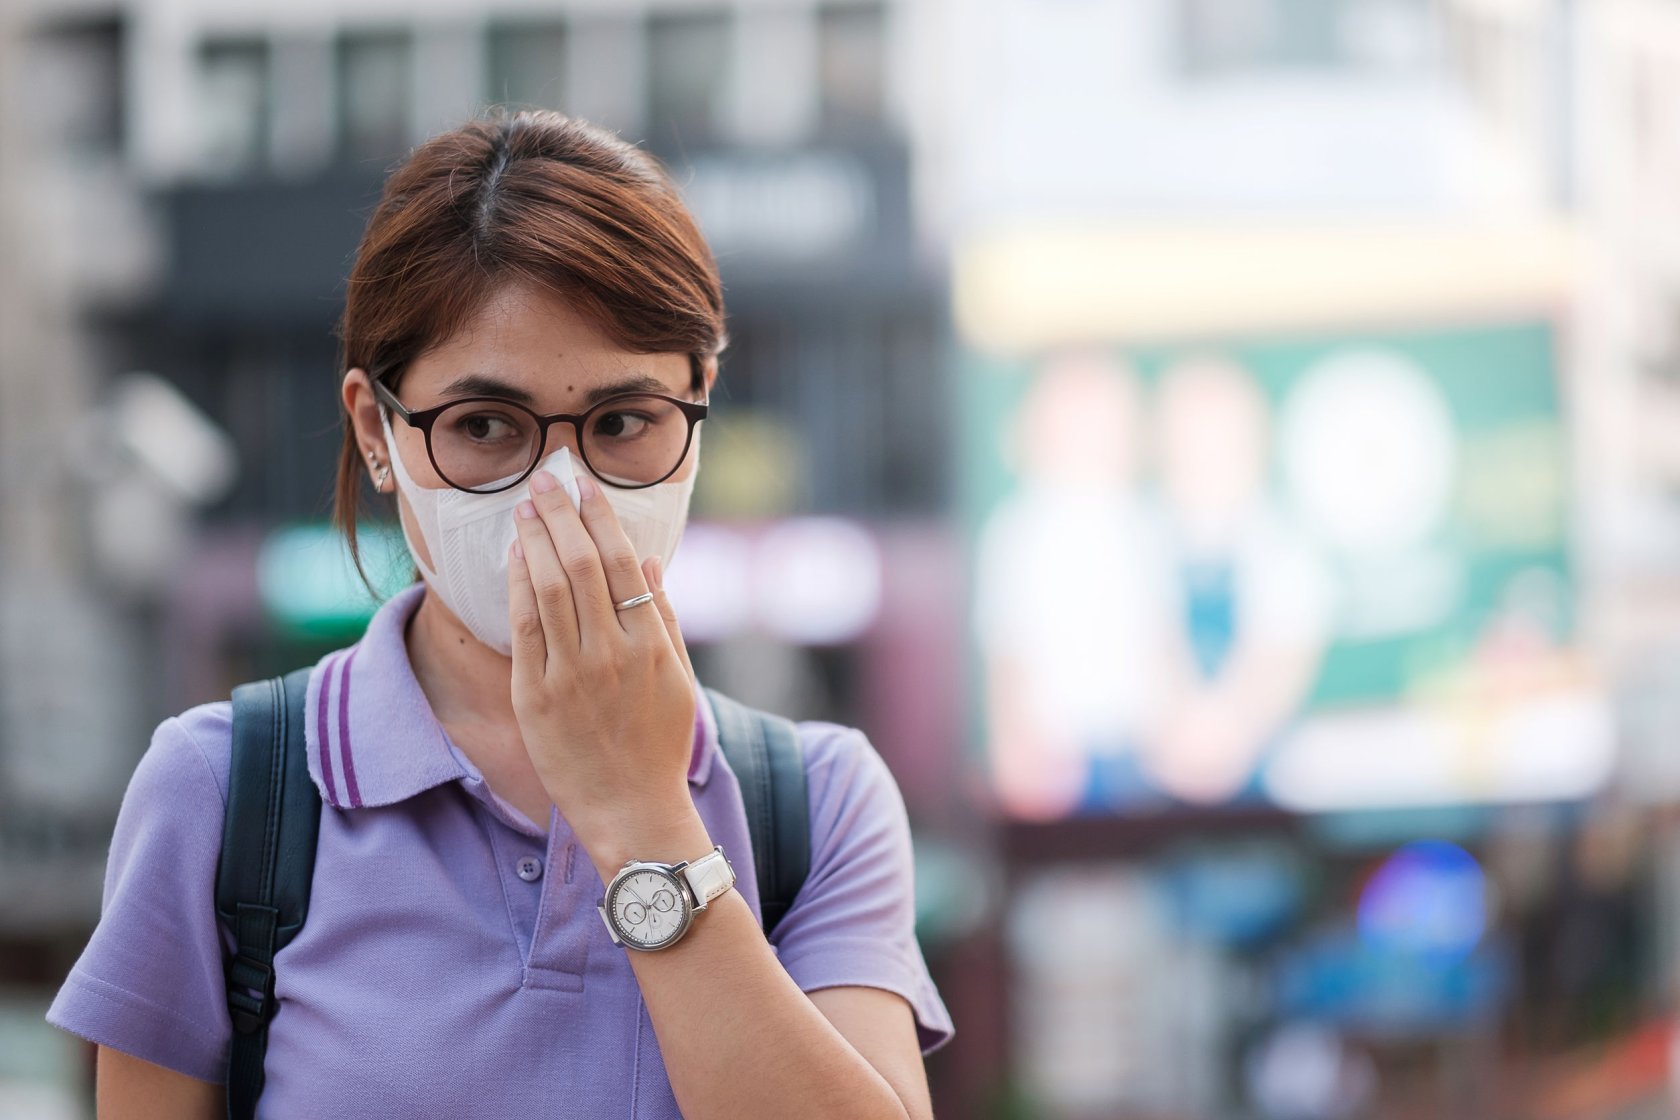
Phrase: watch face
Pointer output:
(648, 908)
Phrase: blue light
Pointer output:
(1428, 899)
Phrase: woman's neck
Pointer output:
(470, 688)
(465, 680)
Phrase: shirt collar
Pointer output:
(372, 739)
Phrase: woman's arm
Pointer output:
(739, 1039)
(881, 1026)
(149, 988)
(129, 1088)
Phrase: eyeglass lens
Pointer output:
(634, 441)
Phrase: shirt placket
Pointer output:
(545, 884)
(560, 942)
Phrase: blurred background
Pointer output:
(1225, 453)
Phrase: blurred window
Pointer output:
(527, 64)
(374, 80)
(235, 89)
(77, 77)
(1220, 37)
(862, 389)
(688, 75)
(851, 66)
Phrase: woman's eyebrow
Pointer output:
(636, 383)
(483, 385)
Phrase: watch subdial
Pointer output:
(664, 901)
(635, 913)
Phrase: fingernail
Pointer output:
(586, 487)
(543, 482)
(526, 510)
(518, 552)
(658, 575)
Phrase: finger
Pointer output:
(578, 556)
(654, 572)
(550, 582)
(530, 643)
(625, 579)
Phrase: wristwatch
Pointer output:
(651, 905)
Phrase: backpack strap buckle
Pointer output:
(250, 971)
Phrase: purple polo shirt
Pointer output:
(453, 963)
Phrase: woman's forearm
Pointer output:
(739, 1039)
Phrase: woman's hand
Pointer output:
(604, 698)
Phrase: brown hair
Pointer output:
(530, 197)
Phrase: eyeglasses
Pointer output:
(486, 444)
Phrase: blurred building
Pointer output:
(70, 654)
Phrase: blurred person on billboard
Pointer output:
(1250, 600)
(1202, 627)
(1068, 679)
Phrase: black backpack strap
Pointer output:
(267, 864)
(765, 753)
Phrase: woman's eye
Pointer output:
(485, 427)
(621, 425)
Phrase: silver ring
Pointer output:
(636, 602)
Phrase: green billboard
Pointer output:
(1322, 571)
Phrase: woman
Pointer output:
(531, 331)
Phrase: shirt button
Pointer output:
(529, 869)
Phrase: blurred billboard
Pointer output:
(1321, 569)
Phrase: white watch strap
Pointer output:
(709, 876)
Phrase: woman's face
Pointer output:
(529, 346)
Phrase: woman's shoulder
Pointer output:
(196, 746)
(188, 752)
(828, 746)
(149, 983)
(834, 754)
(845, 774)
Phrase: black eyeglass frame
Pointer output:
(424, 418)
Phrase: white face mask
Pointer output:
(468, 535)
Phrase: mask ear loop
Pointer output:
(404, 483)
(394, 462)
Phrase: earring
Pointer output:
(379, 482)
